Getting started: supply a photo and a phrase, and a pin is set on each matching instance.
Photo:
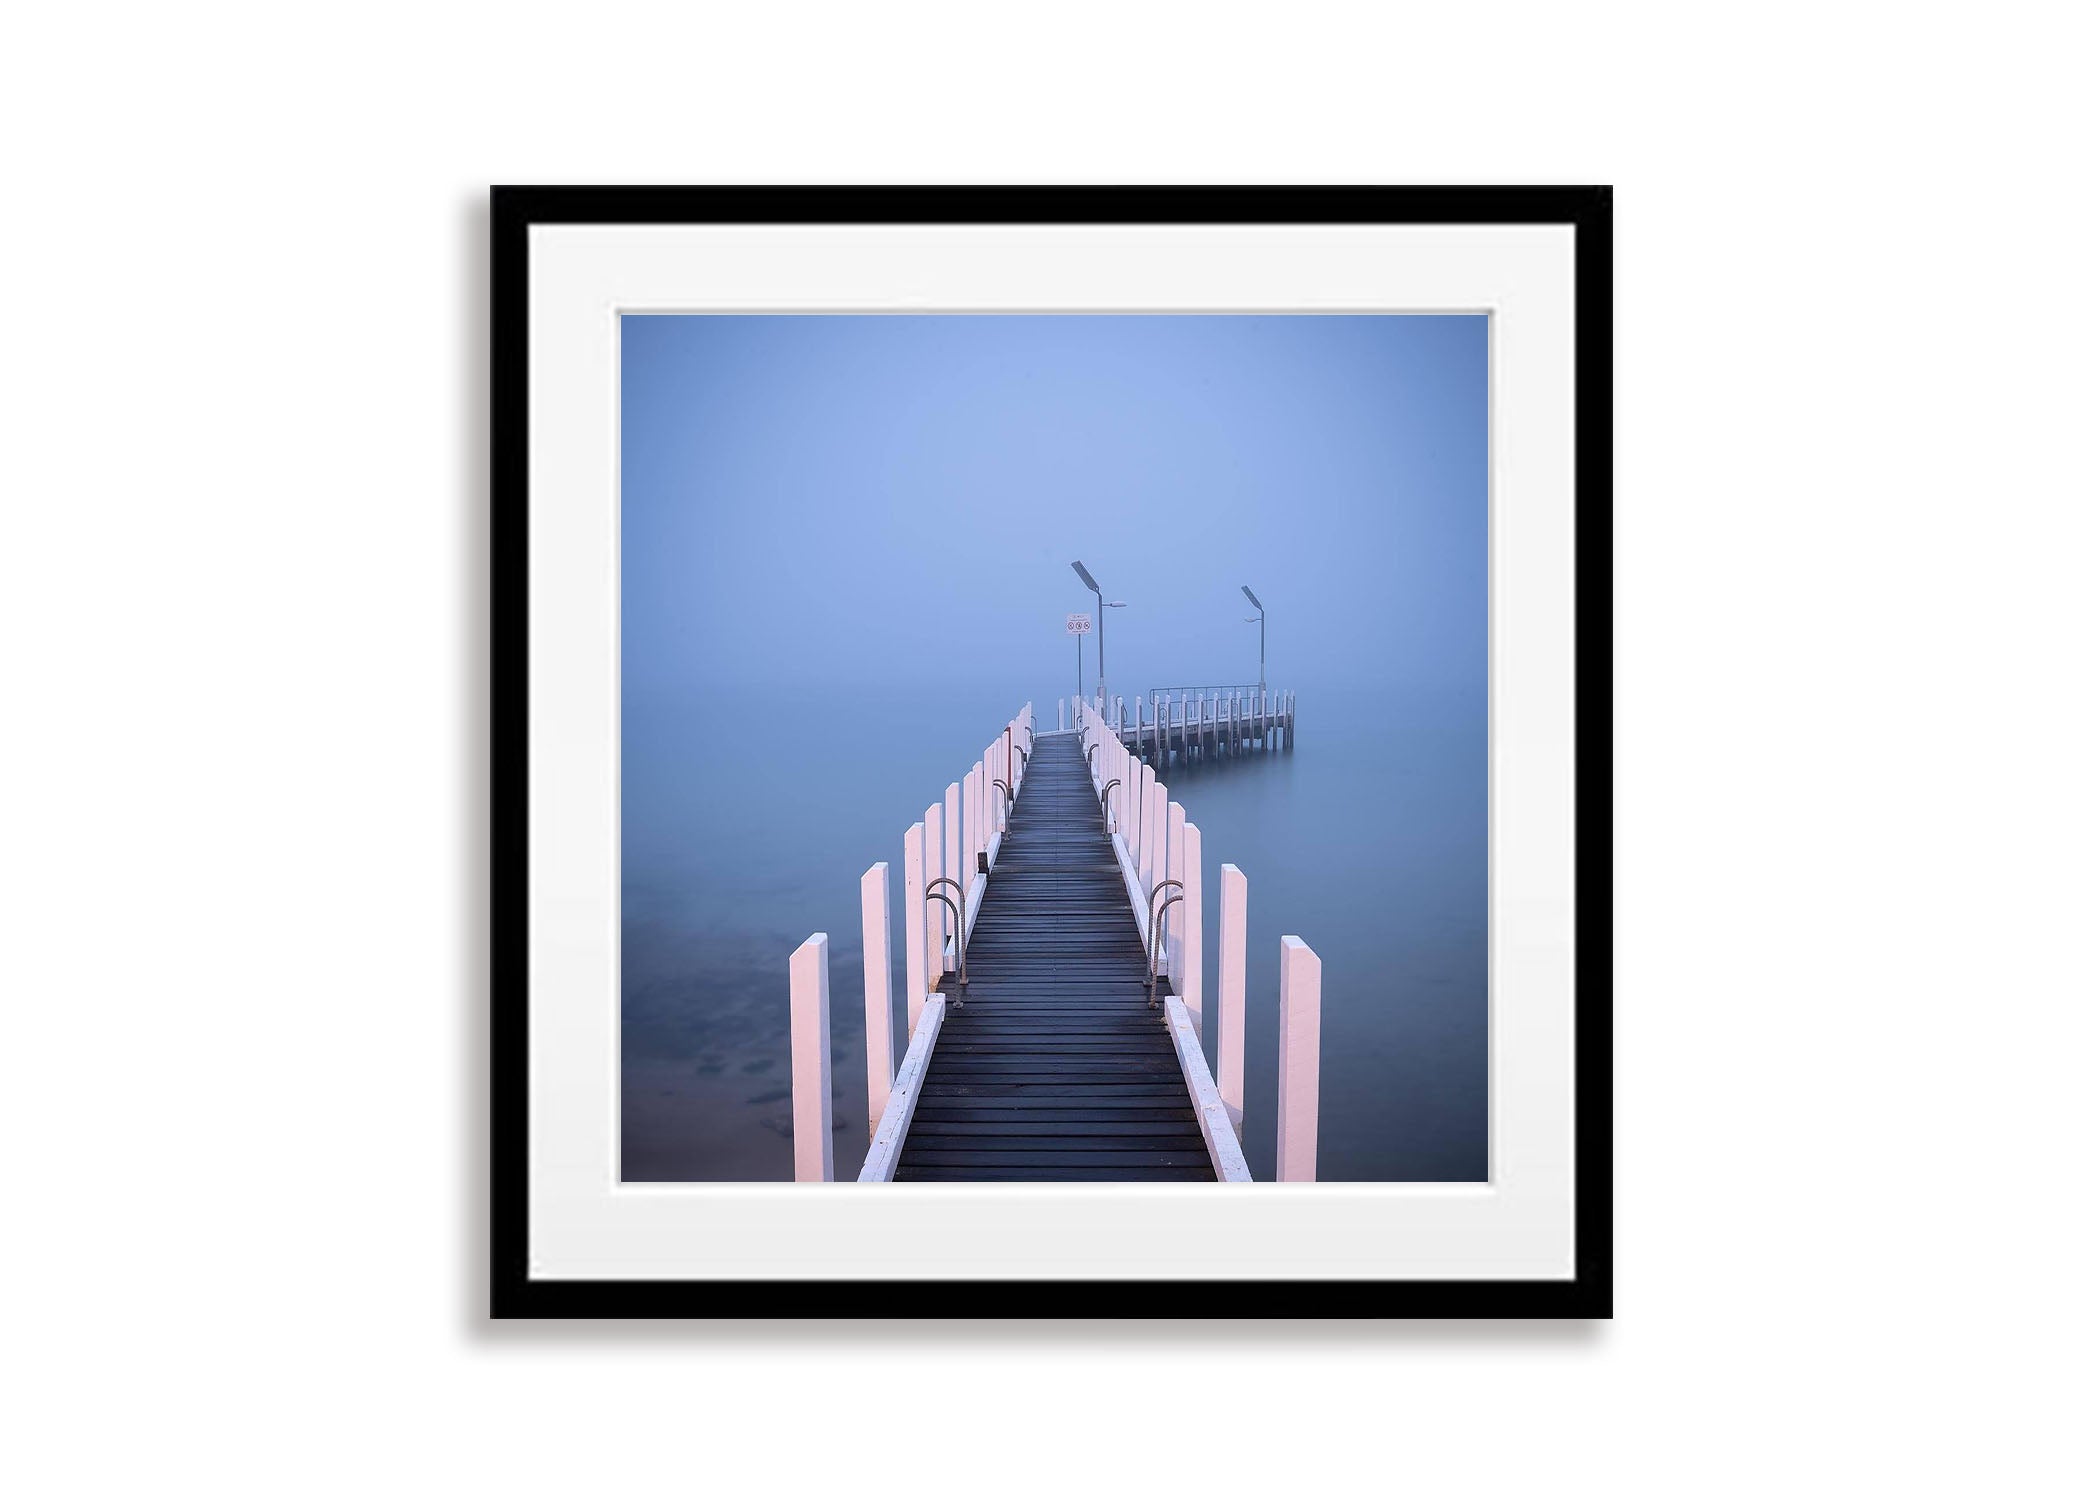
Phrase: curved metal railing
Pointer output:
(962, 953)
(1159, 931)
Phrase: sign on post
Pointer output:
(1079, 624)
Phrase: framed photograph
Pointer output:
(1051, 752)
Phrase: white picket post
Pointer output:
(809, 1055)
(952, 864)
(1193, 931)
(914, 926)
(932, 915)
(1141, 825)
(1298, 1065)
(1170, 921)
(1191, 990)
(1156, 834)
(971, 807)
(1232, 994)
(875, 987)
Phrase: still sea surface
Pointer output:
(1369, 839)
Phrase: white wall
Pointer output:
(241, 595)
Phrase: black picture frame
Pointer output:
(513, 1292)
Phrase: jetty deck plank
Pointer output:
(1053, 1068)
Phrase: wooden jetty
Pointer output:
(1055, 965)
(1054, 1064)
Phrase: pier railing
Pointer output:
(1161, 854)
(952, 849)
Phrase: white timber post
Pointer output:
(1134, 835)
(914, 927)
(952, 865)
(809, 1052)
(1232, 995)
(1170, 923)
(1141, 825)
(1191, 941)
(1298, 1065)
(932, 915)
(1156, 834)
(875, 988)
(970, 809)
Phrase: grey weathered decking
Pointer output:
(1053, 1068)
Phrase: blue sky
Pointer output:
(897, 500)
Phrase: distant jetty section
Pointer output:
(1195, 723)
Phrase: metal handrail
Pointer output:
(1159, 924)
(1118, 781)
(962, 956)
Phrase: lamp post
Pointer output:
(1101, 606)
(1263, 617)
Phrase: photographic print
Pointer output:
(1037, 748)
(852, 624)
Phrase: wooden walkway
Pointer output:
(1053, 1068)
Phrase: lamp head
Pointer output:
(1085, 577)
(1250, 597)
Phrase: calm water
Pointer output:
(1369, 840)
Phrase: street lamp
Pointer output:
(1263, 617)
(1100, 635)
